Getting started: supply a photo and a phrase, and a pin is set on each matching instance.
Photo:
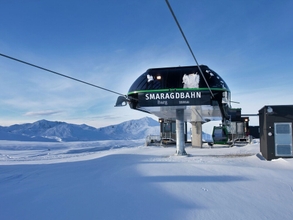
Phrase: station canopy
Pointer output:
(161, 91)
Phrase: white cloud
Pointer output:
(42, 113)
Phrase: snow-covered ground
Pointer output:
(127, 180)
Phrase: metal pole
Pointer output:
(180, 143)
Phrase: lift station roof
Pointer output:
(202, 93)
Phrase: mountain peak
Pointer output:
(44, 130)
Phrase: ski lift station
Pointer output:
(193, 94)
(197, 95)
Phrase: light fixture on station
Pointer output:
(270, 110)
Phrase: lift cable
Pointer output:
(60, 74)
(174, 16)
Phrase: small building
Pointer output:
(276, 136)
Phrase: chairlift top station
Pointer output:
(194, 94)
(162, 91)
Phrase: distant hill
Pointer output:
(44, 130)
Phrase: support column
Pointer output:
(180, 143)
(196, 134)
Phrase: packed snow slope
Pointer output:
(127, 180)
(44, 130)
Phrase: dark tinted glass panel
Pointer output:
(283, 129)
(283, 149)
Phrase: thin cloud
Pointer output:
(42, 113)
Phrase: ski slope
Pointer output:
(127, 180)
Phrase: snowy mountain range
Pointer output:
(44, 130)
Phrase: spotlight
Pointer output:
(270, 110)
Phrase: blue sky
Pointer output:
(111, 42)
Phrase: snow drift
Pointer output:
(73, 180)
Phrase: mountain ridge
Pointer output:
(44, 130)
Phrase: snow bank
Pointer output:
(138, 182)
